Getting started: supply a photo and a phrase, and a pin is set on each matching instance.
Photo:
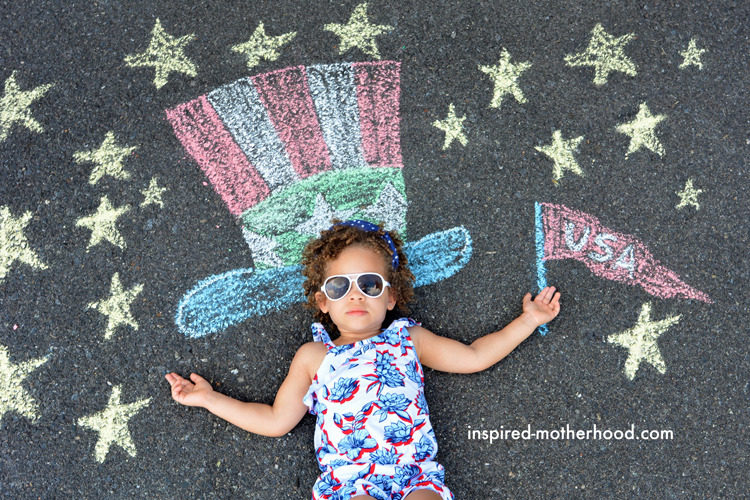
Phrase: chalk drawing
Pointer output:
(640, 341)
(165, 54)
(605, 54)
(358, 32)
(261, 46)
(642, 131)
(453, 126)
(230, 298)
(689, 196)
(541, 270)
(14, 247)
(561, 151)
(117, 306)
(103, 223)
(692, 55)
(287, 151)
(505, 79)
(152, 194)
(13, 397)
(570, 234)
(112, 424)
(108, 159)
(14, 107)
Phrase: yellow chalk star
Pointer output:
(14, 107)
(152, 194)
(261, 46)
(103, 224)
(108, 159)
(561, 151)
(689, 196)
(358, 32)
(692, 55)
(505, 77)
(13, 397)
(14, 247)
(640, 341)
(117, 306)
(112, 424)
(605, 53)
(165, 54)
(642, 131)
(453, 127)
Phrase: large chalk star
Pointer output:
(642, 131)
(14, 107)
(389, 208)
(453, 126)
(261, 46)
(505, 77)
(13, 397)
(321, 217)
(262, 248)
(165, 54)
(640, 341)
(605, 53)
(117, 306)
(108, 159)
(103, 223)
(561, 151)
(112, 424)
(14, 247)
(358, 32)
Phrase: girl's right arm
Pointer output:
(267, 420)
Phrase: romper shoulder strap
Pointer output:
(321, 335)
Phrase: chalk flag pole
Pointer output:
(541, 270)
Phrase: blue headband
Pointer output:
(369, 226)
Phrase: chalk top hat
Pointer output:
(287, 151)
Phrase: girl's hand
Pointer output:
(195, 393)
(544, 308)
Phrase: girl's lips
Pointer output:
(356, 312)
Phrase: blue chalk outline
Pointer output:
(227, 299)
(541, 270)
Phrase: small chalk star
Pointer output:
(14, 247)
(689, 196)
(103, 224)
(165, 54)
(261, 46)
(453, 126)
(358, 32)
(692, 55)
(13, 397)
(117, 306)
(108, 159)
(640, 341)
(14, 107)
(152, 194)
(606, 54)
(112, 424)
(642, 131)
(562, 153)
(505, 78)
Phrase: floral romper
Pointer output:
(373, 433)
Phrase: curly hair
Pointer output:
(320, 251)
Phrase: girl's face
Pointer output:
(357, 315)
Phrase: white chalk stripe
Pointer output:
(241, 110)
(334, 94)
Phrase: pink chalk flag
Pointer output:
(570, 234)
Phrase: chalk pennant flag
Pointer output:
(287, 151)
(564, 233)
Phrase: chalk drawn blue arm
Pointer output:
(541, 270)
(227, 299)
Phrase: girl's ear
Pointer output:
(322, 301)
(391, 300)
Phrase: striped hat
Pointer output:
(289, 150)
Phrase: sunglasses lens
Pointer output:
(337, 287)
(370, 284)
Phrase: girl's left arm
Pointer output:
(448, 355)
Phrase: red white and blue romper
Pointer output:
(373, 433)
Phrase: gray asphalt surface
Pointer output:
(571, 377)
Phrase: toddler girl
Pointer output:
(373, 438)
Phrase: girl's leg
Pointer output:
(422, 495)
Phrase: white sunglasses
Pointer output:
(337, 287)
